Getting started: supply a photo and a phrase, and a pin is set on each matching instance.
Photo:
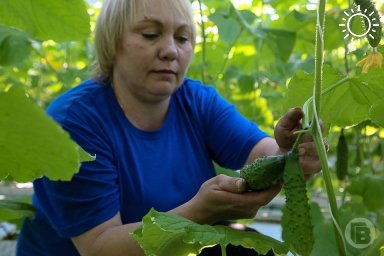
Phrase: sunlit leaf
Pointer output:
(162, 235)
(376, 113)
(333, 37)
(167, 234)
(347, 105)
(229, 28)
(32, 145)
(45, 19)
(281, 42)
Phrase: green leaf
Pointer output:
(332, 33)
(280, 41)
(162, 235)
(84, 156)
(376, 113)
(207, 236)
(246, 83)
(10, 210)
(371, 189)
(325, 241)
(348, 104)
(45, 19)
(15, 46)
(229, 29)
(32, 145)
(167, 234)
(324, 236)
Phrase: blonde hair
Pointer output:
(115, 15)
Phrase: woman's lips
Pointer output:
(164, 71)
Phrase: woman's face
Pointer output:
(155, 53)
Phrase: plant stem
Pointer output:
(203, 44)
(298, 140)
(223, 250)
(315, 126)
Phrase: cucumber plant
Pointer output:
(342, 157)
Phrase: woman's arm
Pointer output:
(109, 238)
(219, 198)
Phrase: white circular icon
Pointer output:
(372, 23)
(360, 233)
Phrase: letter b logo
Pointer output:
(360, 233)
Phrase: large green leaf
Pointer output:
(280, 41)
(206, 236)
(167, 234)
(229, 28)
(333, 36)
(346, 105)
(162, 234)
(376, 113)
(32, 145)
(15, 46)
(371, 189)
(59, 20)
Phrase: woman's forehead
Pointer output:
(161, 12)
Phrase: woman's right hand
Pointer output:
(226, 198)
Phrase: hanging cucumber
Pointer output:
(298, 229)
(374, 28)
(342, 157)
(374, 35)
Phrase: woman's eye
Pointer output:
(149, 36)
(182, 39)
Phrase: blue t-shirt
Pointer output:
(134, 170)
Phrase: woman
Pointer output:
(155, 134)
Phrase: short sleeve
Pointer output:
(230, 136)
(92, 196)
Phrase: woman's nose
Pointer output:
(168, 49)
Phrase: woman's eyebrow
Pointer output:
(158, 22)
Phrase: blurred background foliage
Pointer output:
(248, 50)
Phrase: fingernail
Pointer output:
(239, 184)
(301, 151)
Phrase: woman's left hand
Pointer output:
(285, 137)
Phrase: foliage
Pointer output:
(35, 146)
(162, 233)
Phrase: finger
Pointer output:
(307, 149)
(291, 119)
(310, 166)
(306, 138)
(263, 197)
(230, 184)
